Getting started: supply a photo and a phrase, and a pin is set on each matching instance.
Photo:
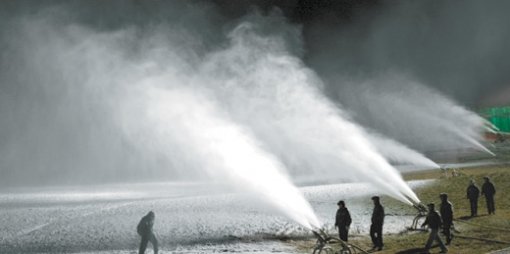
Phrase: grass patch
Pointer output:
(494, 227)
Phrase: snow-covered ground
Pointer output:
(190, 218)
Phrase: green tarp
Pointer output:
(499, 116)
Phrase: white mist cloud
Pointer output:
(177, 116)
(419, 69)
(158, 102)
(406, 110)
(398, 153)
(270, 90)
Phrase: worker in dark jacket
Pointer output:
(472, 194)
(446, 211)
(343, 220)
(377, 224)
(144, 229)
(488, 190)
(434, 222)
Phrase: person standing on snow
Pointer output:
(144, 229)
(377, 224)
(343, 220)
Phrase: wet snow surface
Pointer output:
(190, 218)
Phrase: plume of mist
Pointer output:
(175, 116)
(459, 50)
(400, 154)
(61, 76)
(183, 106)
(418, 68)
(412, 113)
(270, 90)
(132, 107)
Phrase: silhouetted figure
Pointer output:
(446, 211)
(377, 224)
(488, 190)
(434, 222)
(144, 229)
(343, 220)
(472, 194)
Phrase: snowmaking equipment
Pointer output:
(422, 213)
(325, 244)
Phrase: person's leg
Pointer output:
(343, 233)
(492, 208)
(493, 205)
(441, 244)
(447, 232)
(380, 237)
(154, 242)
(472, 205)
(372, 235)
(430, 240)
(488, 202)
(476, 207)
(143, 245)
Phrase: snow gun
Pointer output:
(325, 241)
(422, 213)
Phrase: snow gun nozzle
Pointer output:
(321, 235)
(421, 208)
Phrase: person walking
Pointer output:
(488, 190)
(144, 229)
(472, 194)
(343, 220)
(377, 224)
(446, 211)
(434, 222)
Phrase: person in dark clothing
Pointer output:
(377, 224)
(434, 222)
(472, 194)
(446, 211)
(343, 220)
(488, 190)
(144, 229)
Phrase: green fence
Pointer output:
(499, 116)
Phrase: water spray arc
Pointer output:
(247, 111)
(283, 104)
(227, 153)
(396, 152)
(414, 114)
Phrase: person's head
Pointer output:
(443, 196)
(431, 206)
(486, 178)
(472, 182)
(341, 204)
(151, 214)
(376, 199)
